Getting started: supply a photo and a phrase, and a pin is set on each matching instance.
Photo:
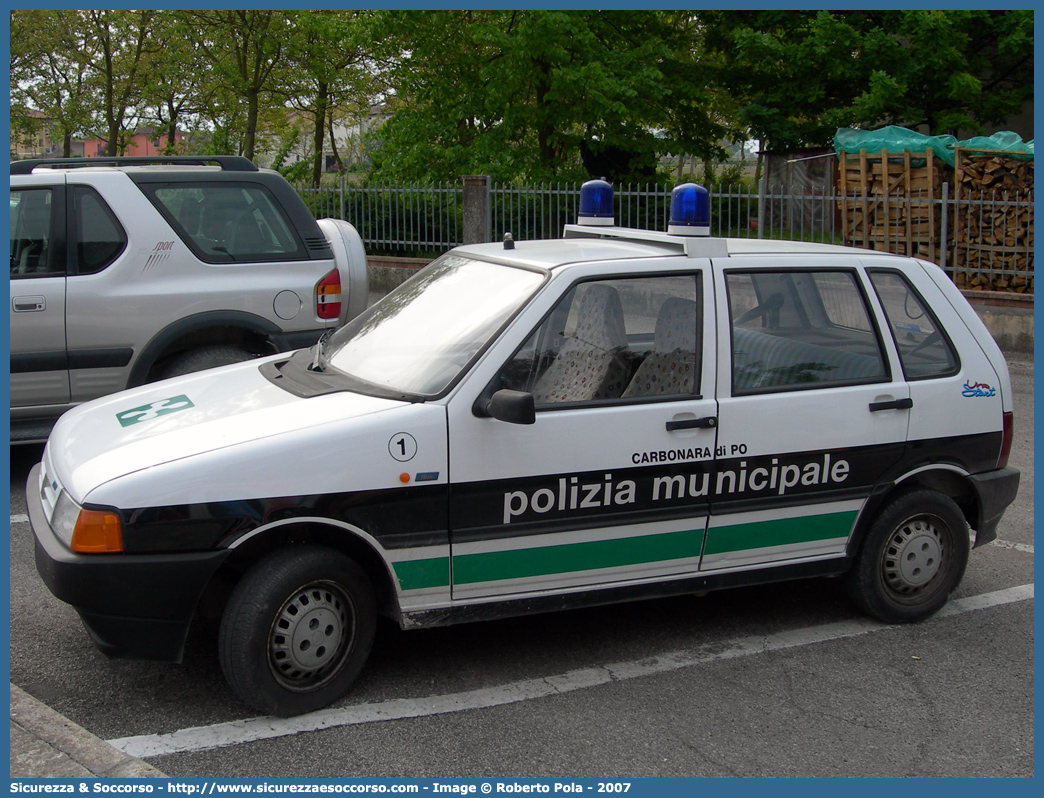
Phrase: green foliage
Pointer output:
(953, 71)
(797, 76)
(521, 95)
(536, 95)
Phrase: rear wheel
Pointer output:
(912, 559)
(297, 630)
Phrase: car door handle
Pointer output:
(707, 422)
(28, 304)
(895, 404)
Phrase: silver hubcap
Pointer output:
(913, 557)
(310, 636)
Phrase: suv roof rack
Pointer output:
(228, 163)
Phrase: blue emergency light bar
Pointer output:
(596, 204)
(690, 211)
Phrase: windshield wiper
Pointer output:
(317, 352)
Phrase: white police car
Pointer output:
(616, 414)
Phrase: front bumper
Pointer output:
(135, 606)
(996, 490)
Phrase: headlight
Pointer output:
(86, 531)
(66, 511)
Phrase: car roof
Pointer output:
(582, 244)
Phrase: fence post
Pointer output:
(477, 228)
(943, 244)
(762, 185)
(340, 192)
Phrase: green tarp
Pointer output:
(896, 140)
(1007, 142)
(893, 140)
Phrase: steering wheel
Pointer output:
(770, 305)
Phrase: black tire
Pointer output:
(297, 630)
(206, 357)
(912, 559)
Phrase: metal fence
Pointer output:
(983, 241)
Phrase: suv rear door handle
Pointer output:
(707, 422)
(895, 404)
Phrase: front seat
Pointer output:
(591, 364)
(670, 368)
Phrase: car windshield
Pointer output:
(419, 338)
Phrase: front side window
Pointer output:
(99, 237)
(31, 232)
(611, 340)
(800, 329)
(419, 339)
(923, 349)
(226, 222)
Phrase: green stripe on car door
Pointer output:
(779, 532)
(568, 557)
(421, 574)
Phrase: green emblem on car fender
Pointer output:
(153, 410)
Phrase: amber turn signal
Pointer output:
(97, 532)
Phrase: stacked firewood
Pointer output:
(994, 222)
(890, 201)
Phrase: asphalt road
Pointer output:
(783, 680)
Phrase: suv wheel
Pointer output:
(206, 357)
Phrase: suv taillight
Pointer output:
(328, 296)
(1009, 432)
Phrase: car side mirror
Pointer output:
(513, 407)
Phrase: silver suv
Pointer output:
(129, 270)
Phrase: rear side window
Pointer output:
(99, 237)
(924, 349)
(227, 222)
(801, 329)
(31, 232)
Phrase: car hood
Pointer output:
(178, 421)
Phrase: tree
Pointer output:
(178, 90)
(117, 47)
(951, 71)
(329, 64)
(794, 74)
(543, 95)
(244, 49)
(797, 76)
(47, 75)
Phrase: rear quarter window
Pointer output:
(924, 350)
(99, 237)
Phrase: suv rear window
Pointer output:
(227, 222)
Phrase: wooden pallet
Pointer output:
(889, 201)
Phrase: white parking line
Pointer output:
(21, 518)
(1007, 544)
(202, 738)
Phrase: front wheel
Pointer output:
(297, 630)
(912, 559)
(207, 357)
